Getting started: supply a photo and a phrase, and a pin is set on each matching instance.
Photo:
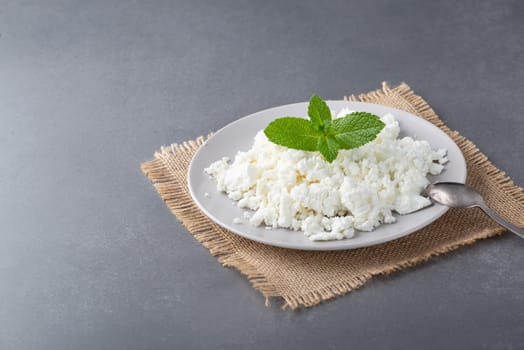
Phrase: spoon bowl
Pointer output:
(455, 195)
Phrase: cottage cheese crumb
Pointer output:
(359, 190)
(237, 221)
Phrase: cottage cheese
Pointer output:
(359, 190)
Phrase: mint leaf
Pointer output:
(328, 147)
(323, 134)
(356, 129)
(318, 111)
(294, 133)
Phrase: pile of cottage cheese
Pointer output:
(359, 190)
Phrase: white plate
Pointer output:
(239, 136)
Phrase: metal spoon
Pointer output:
(457, 195)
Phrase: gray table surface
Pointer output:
(91, 258)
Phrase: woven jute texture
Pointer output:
(306, 278)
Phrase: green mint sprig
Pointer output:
(323, 134)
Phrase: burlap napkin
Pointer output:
(305, 278)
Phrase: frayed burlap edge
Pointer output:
(160, 170)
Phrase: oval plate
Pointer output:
(239, 136)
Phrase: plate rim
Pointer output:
(322, 245)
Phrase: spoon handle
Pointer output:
(513, 228)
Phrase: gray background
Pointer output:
(90, 257)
